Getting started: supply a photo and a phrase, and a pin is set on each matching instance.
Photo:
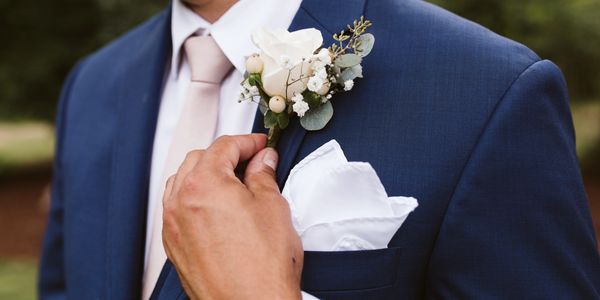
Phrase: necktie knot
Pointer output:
(207, 61)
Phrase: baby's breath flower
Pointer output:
(297, 97)
(300, 107)
(315, 83)
(243, 94)
(253, 91)
(321, 73)
(348, 84)
(324, 56)
(317, 65)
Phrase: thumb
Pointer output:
(260, 172)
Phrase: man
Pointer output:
(473, 125)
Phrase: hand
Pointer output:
(230, 239)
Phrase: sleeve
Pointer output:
(51, 277)
(518, 224)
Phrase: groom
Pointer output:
(475, 126)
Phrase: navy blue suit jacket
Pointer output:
(475, 126)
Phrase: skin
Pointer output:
(210, 10)
(228, 238)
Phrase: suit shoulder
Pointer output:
(124, 47)
(440, 33)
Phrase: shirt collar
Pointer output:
(232, 31)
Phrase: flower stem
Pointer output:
(273, 137)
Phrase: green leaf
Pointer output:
(337, 73)
(351, 73)
(366, 42)
(270, 119)
(254, 80)
(313, 99)
(283, 120)
(316, 119)
(347, 60)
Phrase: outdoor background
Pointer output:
(43, 39)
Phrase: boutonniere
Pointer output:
(294, 75)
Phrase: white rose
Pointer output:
(280, 50)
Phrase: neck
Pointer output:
(210, 10)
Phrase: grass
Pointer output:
(24, 144)
(17, 279)
(586, 118)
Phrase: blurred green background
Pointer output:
(43, 39)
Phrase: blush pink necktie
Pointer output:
(195, 130)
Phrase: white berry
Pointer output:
(277, 104)
(254, 64)
(324, 89)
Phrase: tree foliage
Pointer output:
(44, 39)
(564, 31)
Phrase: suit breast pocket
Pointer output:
(365, 274)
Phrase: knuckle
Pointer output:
(225, 140)
(261, 183)
(194, 206)
(169, 227)
(252, 178)
(189, 184)
(194, 154)
(194, 193)
(169, 213)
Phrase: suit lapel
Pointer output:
(139, 98)
(328, 17)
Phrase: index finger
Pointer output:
(227, 151)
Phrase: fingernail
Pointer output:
(270, 158)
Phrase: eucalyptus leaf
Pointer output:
(337, 73)
(270, 119)
(263, 106)
(347, 60)
(283, 119)
(367, 41)
(351, 73)
(316, 119)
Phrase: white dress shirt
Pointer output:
(232, 33)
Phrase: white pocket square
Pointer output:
(338, 205)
